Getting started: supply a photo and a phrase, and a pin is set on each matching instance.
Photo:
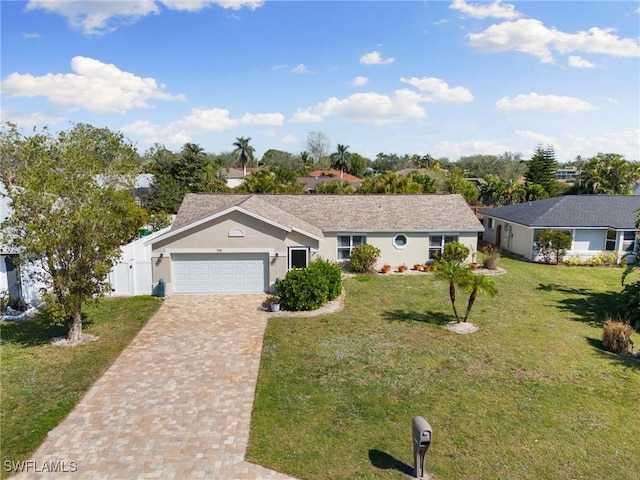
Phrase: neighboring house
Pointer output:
(567, 175)
(311, 183)
(235, 176)
(335, 175)
(15, 279)
(597, 223)
(243, 243)
(132, 274)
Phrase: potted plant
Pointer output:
(474, 264)
(418, 267)
(402, 268)
(386, 268)
(274, 303)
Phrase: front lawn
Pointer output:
(41, 383)
(531, 395)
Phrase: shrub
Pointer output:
(491, 256)
(616, 336)
(455, 252)
(629, 304)
(363, 258)
(310, 288)
(332, 272)
(553, 244)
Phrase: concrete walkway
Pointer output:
(176, 404)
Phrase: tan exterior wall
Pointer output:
(415, 251)
(218, 236)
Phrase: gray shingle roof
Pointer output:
(341, 213)
(601, 211)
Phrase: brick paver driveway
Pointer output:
(176, 404)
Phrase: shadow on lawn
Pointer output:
(631, 362)
(36, 331)
(384, 461)
(409, 316)
(588, 306)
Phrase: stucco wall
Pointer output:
(219, 237)
(415, 251)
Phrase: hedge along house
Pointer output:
(243, 243)
(596, 223)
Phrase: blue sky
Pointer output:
(446, 78)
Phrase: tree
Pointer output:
(357, 165)
(341, 159)
(265, 180)
(455, 274)
(508, 166)
(553, 244)
(73, 205)
(244, 151)
(278, 158)
(317, 146)
(390, 182)
(426, 181)
(477, 284)
(336, 187)
(455, 183)
(608, 174)
(541, 169)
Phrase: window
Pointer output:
(610, 243)
(490, 223)
(629, 241)
(298, 257)
(400, 241)
(347, 242)
(437, 243)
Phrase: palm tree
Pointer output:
(341, 159)
(477, 284)
(455, 273)
(244, 151)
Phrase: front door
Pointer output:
(298, 257)
(498, 235)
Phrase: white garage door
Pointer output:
(219, 273)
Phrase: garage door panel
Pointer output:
(219, 273)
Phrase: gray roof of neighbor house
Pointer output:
(316, 214)
(599, 211)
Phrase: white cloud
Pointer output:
(375, 58)
(262, 119)
(437, 90)
(370, 107)
(30, 121)
(535, 137)
(495, 9)
(289, 139)
(200, 120)
(543, 103)
(455, 150)
(533, 37)
(626, 143)
(30, 35)
(596, 40)
(301, 68)
(101, 17)
(579, 62)
(94, 86)
(525, 35)
(359, 81)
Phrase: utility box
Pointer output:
(422, 434)
(160, 289)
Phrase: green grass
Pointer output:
(531, 395)
(41, 383)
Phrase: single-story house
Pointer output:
(597, 223)
(311, 183)
(335, 175)
(243, 243)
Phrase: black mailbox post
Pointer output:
(422, 434)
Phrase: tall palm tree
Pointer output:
(477, 284)
(341, 159)
(456, 274)
(244, 151)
